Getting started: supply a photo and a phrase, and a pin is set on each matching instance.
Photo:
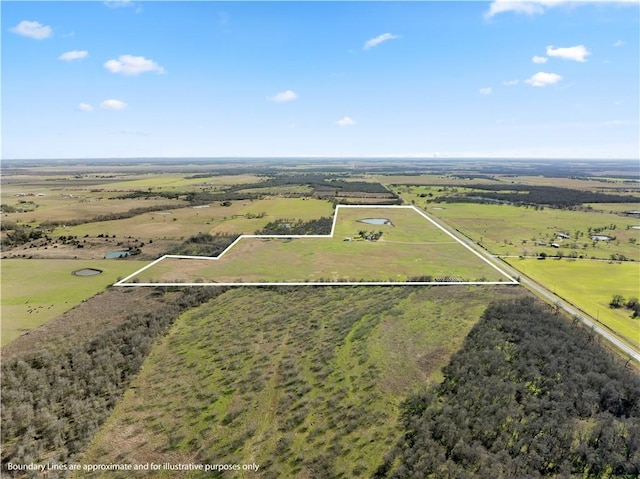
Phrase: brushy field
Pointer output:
(305, 382)
(590, 285)
(410, 247)
(35, 291)
(513, 230)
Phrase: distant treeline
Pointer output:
(52, 404)
(529, 395)
(315, 181)
(533, 195)
(320, 226)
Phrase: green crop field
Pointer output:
(305, 382)
(409, 247)
(590, 285)
(35, 291)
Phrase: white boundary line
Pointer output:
(123, 282)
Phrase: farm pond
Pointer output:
(376, 221)
(87, 272)
(117, 254)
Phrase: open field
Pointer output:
(169, 182)
(35, 291)
(513, 230)
(305, 382)
(410, 247)
(590, 285)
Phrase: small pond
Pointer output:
(87, 272)
(376, 221)
(117, 254)
(601, 238)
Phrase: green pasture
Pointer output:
(590, 285)
(515, 230)
(85, 206)
(273, 209)
(410, 247)
(299, 381)
(169, 224)
(35, 291)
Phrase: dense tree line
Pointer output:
(52, 404)
(204, 244)
(529, 395)
(320, 226)
(534, 195)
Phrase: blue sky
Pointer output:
(550, 79)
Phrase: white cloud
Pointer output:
(485, 91)
(616, 122)
(284, 96)
(32, 30)
(538, 7)
(577, 53)
(73, 55)
(113, 105)
(618, 43)
(119, 4)
(346, 121)
(132, 65)
(379, 39)
(537, 59)
(543, 79)
(510, 82)
(85, 107)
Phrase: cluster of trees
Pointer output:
(529, 395)
(204, 244)
(19, 234)
(53, 403)
(320, 226)
(369, 235)
(618, 301)
(534, 195)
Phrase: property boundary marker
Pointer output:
(123, 282)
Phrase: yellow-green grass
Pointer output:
(590, 285)
(410, 247)
(513, 230)
(35, 291)
(288, 379)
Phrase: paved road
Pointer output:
(540, 290)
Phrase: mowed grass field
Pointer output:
(590, 285)
(306, 382)
(410, 246)
(35, 291)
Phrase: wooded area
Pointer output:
(529, 395)
(52, 404)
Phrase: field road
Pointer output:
(545, 293)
